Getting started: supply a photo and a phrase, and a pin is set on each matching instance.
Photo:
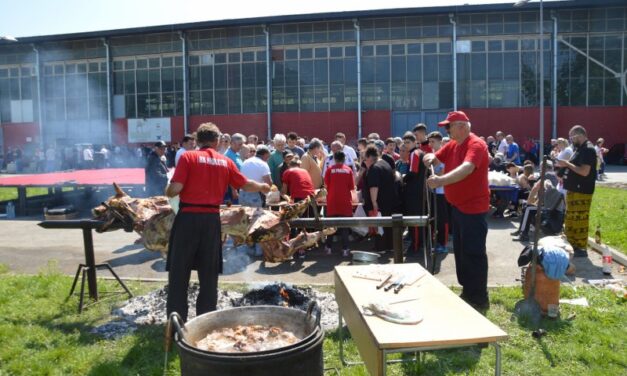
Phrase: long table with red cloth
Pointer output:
(122, 176)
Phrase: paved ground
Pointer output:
(27, 248)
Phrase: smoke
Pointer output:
(236, 259)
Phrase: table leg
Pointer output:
(340, 336)
(497, 365)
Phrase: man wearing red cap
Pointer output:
(465, 182)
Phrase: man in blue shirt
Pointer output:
(232, 153)
(513, 151)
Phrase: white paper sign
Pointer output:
(463, 46)
(149, 130)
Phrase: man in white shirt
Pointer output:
(501, 143)
(329, 161)
(257, 169)
(51, 156)
(348, 151)
(88, 157)
(188, 143)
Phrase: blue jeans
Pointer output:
(252, 199)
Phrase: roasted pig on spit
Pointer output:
(152, 219)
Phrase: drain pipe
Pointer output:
(451, 19)
(266, 31)
(39, 101)
(554, 80)
(108, 59)
(185, 89)
(358, 54)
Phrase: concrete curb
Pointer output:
(617, 256)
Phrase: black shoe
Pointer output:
(481, 307)
(580, 253)
(523, 237)
(515, 233)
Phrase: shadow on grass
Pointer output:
(145, 356)
(441, 362)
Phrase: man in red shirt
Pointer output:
(465, 182)
(200, 179)
(297, 182)
(340, 182)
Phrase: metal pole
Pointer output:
(451, 19)
(266, 31)
(185, 86)
(39, 101)
(397, 237)
(541, 79)
(90, 260)
(358, 55)
(108, 60)
(554, 79)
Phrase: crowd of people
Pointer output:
(392, 175)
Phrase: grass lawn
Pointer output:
(608, 210)
(41, 333)
(7, 193)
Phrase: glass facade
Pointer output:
(406, 65)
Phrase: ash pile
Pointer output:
(150, 309)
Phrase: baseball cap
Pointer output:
(160, 144)
(454, 116)
(287, 152)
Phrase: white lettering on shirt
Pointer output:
(211, 161)
(340, 171)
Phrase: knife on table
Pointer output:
(384, 281)
(398, 281)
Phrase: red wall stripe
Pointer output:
(607, 122)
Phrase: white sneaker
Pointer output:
(346, 253)
(327, 251)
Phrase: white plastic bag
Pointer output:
(363, 231)
(359, 212)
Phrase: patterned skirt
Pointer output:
(576, 221)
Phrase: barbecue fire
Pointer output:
(152, 218)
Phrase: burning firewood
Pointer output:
(152, 219)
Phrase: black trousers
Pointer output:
(194, 244)
(471, 261)
(528, 218)
(385, 242)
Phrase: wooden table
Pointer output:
(448, 321)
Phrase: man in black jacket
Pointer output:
(414, 190)
(156, 171)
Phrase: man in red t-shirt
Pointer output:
(340, 182)
(200, 180)
(465, 182)
(297, 182)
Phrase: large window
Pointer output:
(17, 90)
(75, 90)
(230, 82)
(152, 86)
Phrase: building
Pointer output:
(358, 72)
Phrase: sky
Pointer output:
(22, 18)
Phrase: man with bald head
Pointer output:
(329, 161)
(465, 182)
